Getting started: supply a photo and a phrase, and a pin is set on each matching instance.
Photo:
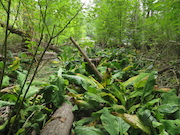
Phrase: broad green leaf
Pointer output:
(60, 72)
(147, 118)
(77, 80)
(148, 88)
(109, 122)
(32, 91)
(1, 64)
(95, 97)
(88, 79)
(80, 130)
(84, 121)
(34, 108)
(5, 103)
(159, 126)
(3, 126)
(172, 126)
(152, 102)
(47, 92)
(9, 97)
(118, 108)
(137, 81)
(39, 116)
(21, 77)
(21, 131)
(57, 98)
(123, 126)
(168, 108)
(170, 97)
(136, 93)
(134, 108)
(5, 81)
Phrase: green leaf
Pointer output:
(21, 131)
(109, 122)
(5, 81)
(149, 85)
(95, 97)
(60, 73)
(1, 64)
(57, 98)
(84, 121)
(109, 97)
(172, 126)
(134, 108)
(39, 116)
(77, 80)
(34, 108)
(32, 90)
(168, 108)
(152, 102)
(21, 77)
(3, 126)
(47, 92)
(5, 103)
(170, 97)
(10, 97)
(79, 130)
(118, 108)
(136, 79)
(123, 126)
(147, 118)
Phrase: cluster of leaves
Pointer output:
(127, 101)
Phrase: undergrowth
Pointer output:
(127, 101)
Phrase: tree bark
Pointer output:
(60, 122)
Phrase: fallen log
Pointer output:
(14, 30)
(60, 122)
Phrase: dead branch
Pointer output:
(93, 67)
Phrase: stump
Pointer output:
(60, 122)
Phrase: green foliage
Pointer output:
(88, 131)
(109, 122)
(135, 102)
(127, 100)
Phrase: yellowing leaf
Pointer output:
(82, 103)
(54, 62)
(107, 77)
(15, 64)
(77, 96)
(127, 68)
(156, 88)
(112, 97)
(100, 86)
(134, 121)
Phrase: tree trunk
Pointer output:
(60, 122)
